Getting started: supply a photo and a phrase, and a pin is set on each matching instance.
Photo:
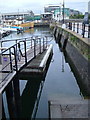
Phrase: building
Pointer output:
(46, 16)
(74, 12)
(58, 11)
(51, 8)
(15, 17)
(89, 7)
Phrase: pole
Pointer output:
(63, 11)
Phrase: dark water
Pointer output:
(59, 82)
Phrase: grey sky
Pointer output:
(38, 5)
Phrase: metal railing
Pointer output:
(19, 54)
(80, 28)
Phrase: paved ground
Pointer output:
(68, 108)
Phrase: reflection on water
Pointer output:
(58, 82)
(29, 97)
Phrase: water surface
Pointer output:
(58, 83)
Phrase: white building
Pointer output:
(14, 17)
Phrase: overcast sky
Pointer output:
(37, 6)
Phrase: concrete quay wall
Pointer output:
(78, 50)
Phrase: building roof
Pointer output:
(46, 13)
(51, 5)
(16, 13)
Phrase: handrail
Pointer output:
(19, 52)
(79, 28)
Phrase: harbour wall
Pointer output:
(78, 51)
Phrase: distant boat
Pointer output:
(26, 25)
(12, 28)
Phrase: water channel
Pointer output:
(59, 82)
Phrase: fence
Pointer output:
(80, 28)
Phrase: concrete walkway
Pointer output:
(68, 108)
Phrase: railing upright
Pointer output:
(16, 45)
(43, 44)
(10, 60)
(15, 56)
(77, 27)
(89, 31)
(83, 30)
(46, 41)
(31, 42)
(40, 45)
(34, 47)
(25, 48)
(74, 26)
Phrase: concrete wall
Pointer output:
(78, 50)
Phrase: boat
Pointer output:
(12, 28)
(26, 25)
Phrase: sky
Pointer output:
(37, 6)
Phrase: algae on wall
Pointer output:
(82, 47)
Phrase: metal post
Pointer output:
(43, 44)
(31, 43)
(74, 26)
(10, 59)
(77, 27)
(70, 26)
(89, 31)
(63, 11)
(16, 45)
(15, 56)
(25, 51)
(40, 44)
(46, 41)
(83, 30)
(34, 47)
